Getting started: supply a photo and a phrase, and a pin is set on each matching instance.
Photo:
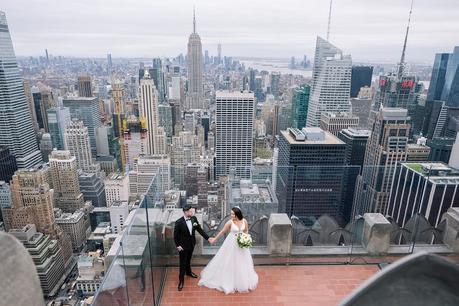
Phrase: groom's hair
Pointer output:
(237, 211)
(187, 207)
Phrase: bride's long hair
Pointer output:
(238, 212)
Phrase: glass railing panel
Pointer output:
(113, 289)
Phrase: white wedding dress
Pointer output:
(231, 270)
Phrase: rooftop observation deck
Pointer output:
(292, 269)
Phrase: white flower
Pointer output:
(195, 224)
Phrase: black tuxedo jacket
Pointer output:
(182, 235)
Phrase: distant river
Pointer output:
(271, 66)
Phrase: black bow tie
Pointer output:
(188, 219)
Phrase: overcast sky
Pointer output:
(370, 30)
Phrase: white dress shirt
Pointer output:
(189, 225)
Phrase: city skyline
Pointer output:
(281, 31)
(330, 158)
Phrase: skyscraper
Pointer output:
(395, 91)
(356, 142)
(310, 174)
(30, 103)
(92, 188)
(158, 77)
(437, 80)
(49, 261)
(16, 127)
(234, 132)
(7, 164)
(361, 77)
(109, 64)
(145, 169)
(425, 188)
(46, 146)
(84, 86)
(77, 142)
(361, 107)
(386, 147)
(300, 102)
(118, 113)
(450, 93)
(148, 111)
(275, 81)
(165, 118)
(58, 119)
(88, 111)
(195, 97)
(331, 82)
(32, 201)
(64, 175)
(219, 50)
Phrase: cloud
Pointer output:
(369, 30)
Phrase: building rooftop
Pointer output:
(436, 172)
(338, 115)
(84, 99)
(117, 176)
(356, 132)
(235, 94)
(394, 113)
(67, 217)
(329, 139)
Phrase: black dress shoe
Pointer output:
(191, 274)
(180, 286)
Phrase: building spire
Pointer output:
(401, 65)
(329, 20)
(194, 21)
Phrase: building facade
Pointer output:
(386, 147)
(310, 172)
(92, 187)
(87, 110)
(360, 77)
(7, 164)
(84, 86)
(331, 82)
(77, 142)
(335, 122)
(74, 225)
(32, 201)
(64, 176)
(425, 188)
(195, 94)
(234, 132)
(148, 112)
(16, 127)
(46, 255)
(300, 101)
(58, 119)
(117, 188)
(356, 142)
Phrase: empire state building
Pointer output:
(195, 98)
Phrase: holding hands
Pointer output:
(212, 240)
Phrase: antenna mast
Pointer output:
(401, 65)
(194, 21)
(329, 20)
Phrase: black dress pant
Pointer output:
(185, 263)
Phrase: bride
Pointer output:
(231, 270)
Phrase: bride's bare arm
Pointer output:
(224, 230)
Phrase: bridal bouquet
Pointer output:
(244, 240)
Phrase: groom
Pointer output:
(185, 241)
